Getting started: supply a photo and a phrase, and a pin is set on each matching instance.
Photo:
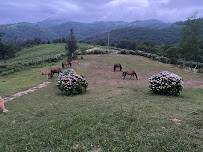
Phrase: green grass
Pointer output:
(46, 120)
(36, 56)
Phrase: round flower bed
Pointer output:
(166, 83)
(71, 83)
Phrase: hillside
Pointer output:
(153, 23)
(165, 35)
(115, 114)
(169, 35)
(24, 31)
(53, 29)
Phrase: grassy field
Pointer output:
(36, 56)
(113, 115)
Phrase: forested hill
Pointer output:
(53, 29)
(169, 35)
(24, 31)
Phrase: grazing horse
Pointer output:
(49, 76)
(130, 72)
(66, 63)
(55, 70)
(117, 65)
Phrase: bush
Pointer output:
(71, 83)
(166, 83)
(123, 52)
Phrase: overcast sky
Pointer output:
(12, 11)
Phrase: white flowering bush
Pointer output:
(71, 83)
(166, 83)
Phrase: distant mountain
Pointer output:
(84, 30)
(24, 31)
(52, 22)
(153, 23)
(53, 29)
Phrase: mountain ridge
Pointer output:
(54, 29)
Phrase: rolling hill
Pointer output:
(168, 35)
(53, 29)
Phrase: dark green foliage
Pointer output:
(61, 40)
(31, 43)
(71, 45)
(7, 50)
(190, 42)
(172, 52)
(169, 35)
(98, 52)
(21, 32)
(129, 45)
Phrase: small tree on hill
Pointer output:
(71, 46)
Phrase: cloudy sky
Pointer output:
(12, 11)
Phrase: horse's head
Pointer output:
(50, 75)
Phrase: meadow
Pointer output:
(115, 114)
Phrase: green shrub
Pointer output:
(123, 52)
(166, 83)
(163, 59)
(200, 70)
(71, 83)
(173, 61)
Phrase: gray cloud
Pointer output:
(98, 10)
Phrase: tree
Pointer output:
(172, 52)
(71, 46)
(190, 43)
(2, 47)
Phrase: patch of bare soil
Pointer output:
(26, 91)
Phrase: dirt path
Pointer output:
(26, 91)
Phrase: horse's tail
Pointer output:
(70, 64)
(114, 68)
(62, 65)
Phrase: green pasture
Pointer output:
(42, 51)
(113, 115)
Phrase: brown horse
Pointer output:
(130, 72)
(49, 76)
(66, 63)
(55, 70)
(117, 65)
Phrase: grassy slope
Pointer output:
(48, 121)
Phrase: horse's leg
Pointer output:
(114, 68)
(136, 76)
(124, 74)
